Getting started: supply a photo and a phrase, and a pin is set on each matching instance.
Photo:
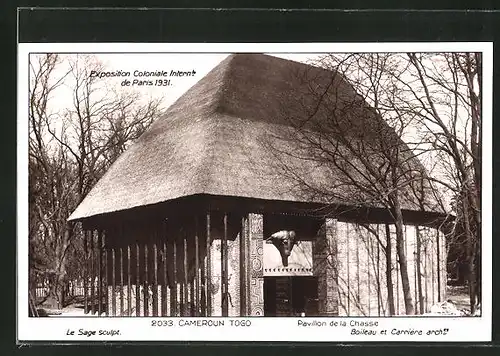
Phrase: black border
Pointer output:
(206, 25)
(252, 25)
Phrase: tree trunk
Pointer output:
(470, 251)
(61, 269)
(403, 265)
(52, 300)
(62, 293)
(388, 271)
(419, 273)
(478, 273)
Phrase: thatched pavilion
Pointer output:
(179, 223)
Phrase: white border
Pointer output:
(261, 329)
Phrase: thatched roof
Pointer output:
(222, 137)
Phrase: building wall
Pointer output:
(324, 267)
(348, 259)
(362, 269)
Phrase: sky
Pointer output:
(201, 64)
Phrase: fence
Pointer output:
(73, 289)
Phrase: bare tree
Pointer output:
(71, 144)
(433, 102)
(448, 104)
(353, 131)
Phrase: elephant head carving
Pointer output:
(284, 241)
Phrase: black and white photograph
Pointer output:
(332, 188)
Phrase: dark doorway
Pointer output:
(290, 296)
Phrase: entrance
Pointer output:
(291, 296)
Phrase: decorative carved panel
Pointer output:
(256, 292)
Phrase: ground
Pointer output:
(456, 294)
(459, 296)
(75, 308)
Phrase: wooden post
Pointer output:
(99, 255)
(122, 309)
(396, 258)
(415, 277)
(92, 273)
(185, 299)
(85, 273)
(164, 286)
(129, 282)
(208, 269)
(196, 269)
(155, 280)
(137, 281)
(192, 298)
(106, 271)
(203, 289)
(358, 289)
(243, 270)
(426, 273)
(348, 270)
(173, 292)
(368, 239)
(113, 281)
(224, 265)
(438, 264)
(433, 269)
(431, 263)
(146, 284)
(379, 294)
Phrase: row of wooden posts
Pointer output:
(363, 269)
(99, 257)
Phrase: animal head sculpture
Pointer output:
(284, 242)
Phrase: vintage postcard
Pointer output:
(255, 192)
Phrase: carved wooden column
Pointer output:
(256, 270)
(324, 267)
(243, 266)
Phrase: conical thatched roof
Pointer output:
(218, 139)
